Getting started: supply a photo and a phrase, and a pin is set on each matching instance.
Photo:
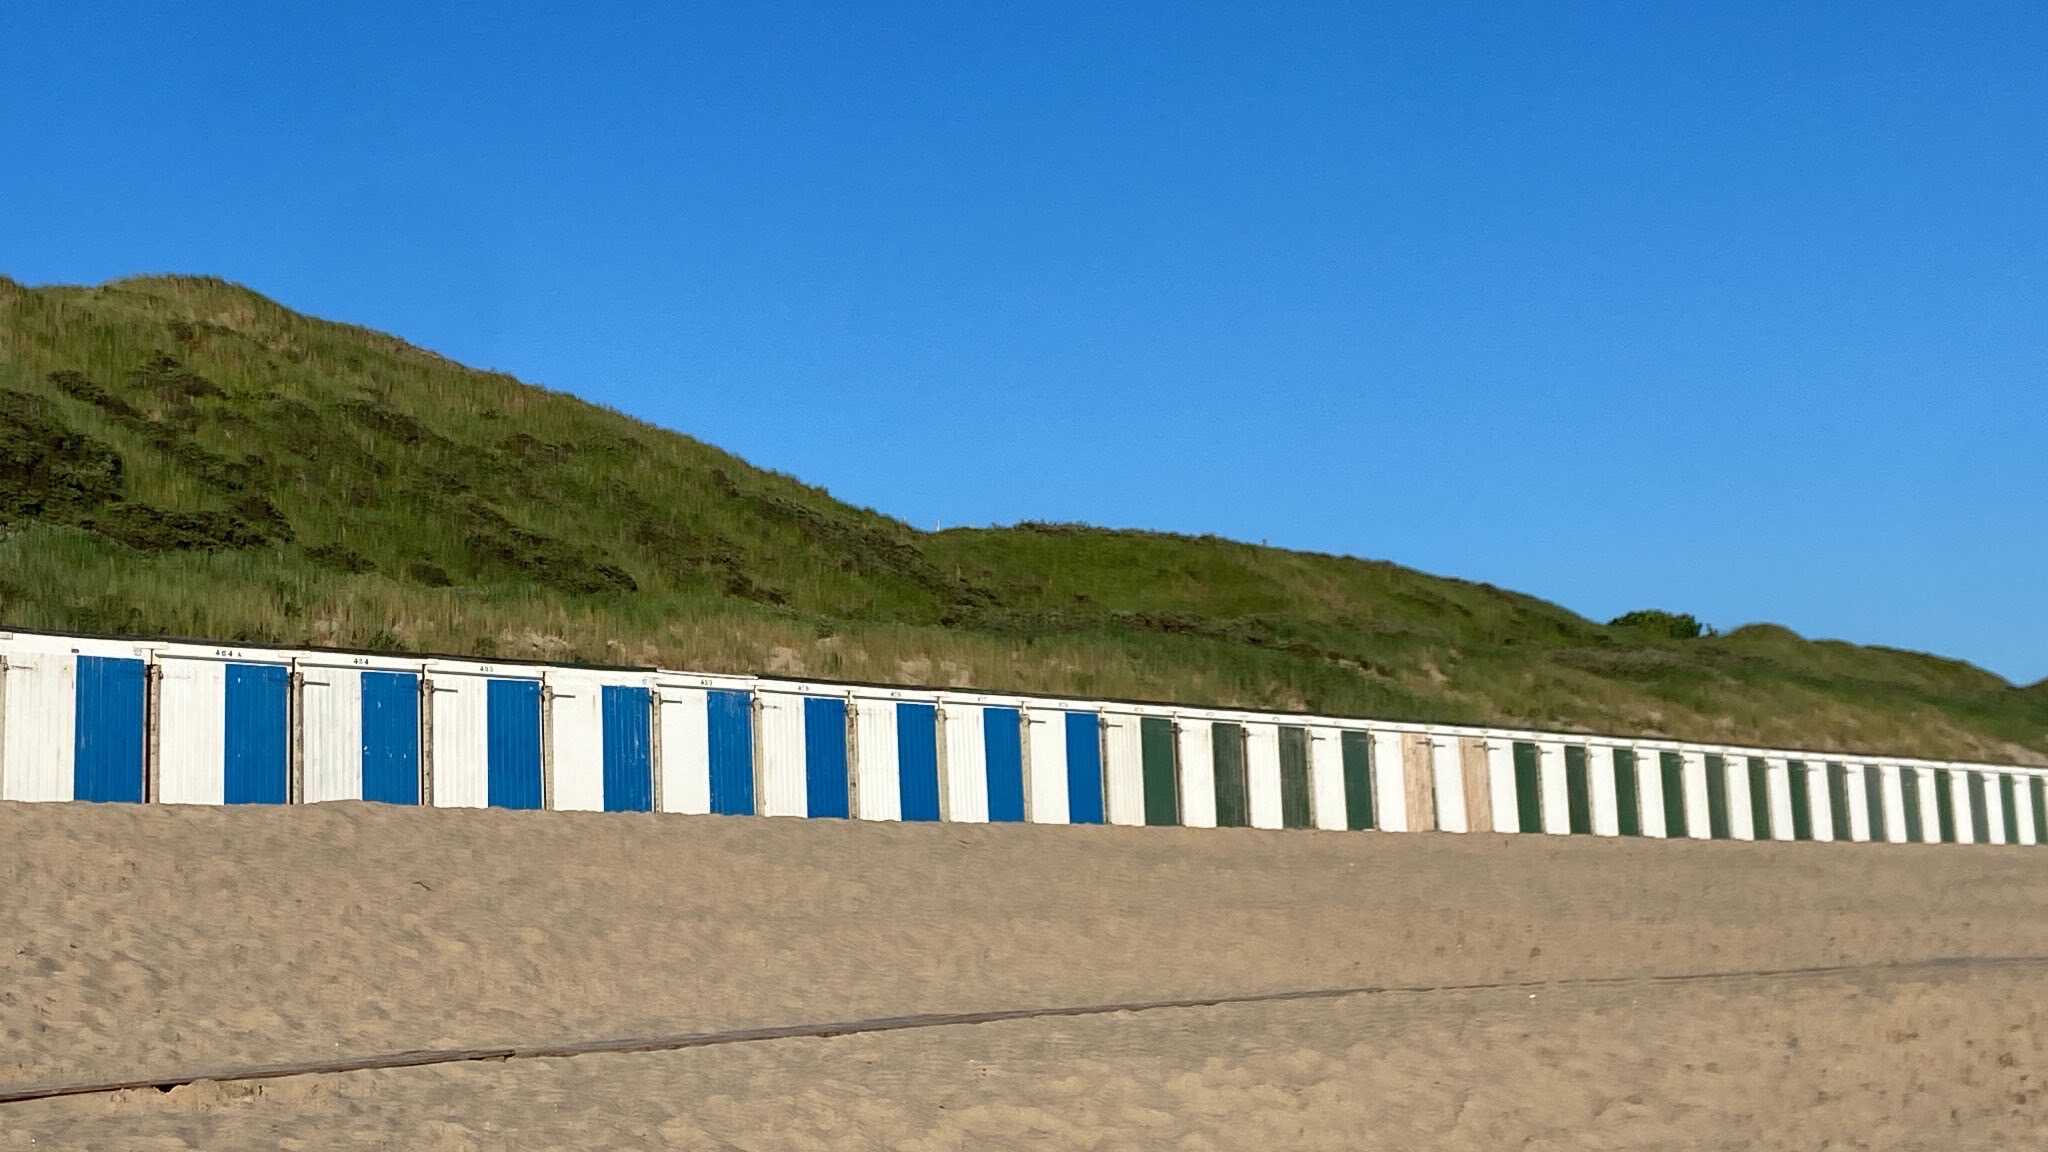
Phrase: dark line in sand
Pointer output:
(424, 1057)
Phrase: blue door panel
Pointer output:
(1002, 740)
(391, 737)
(512, 744)
(731, 722)
(825, 757)
(917, 760)
(1084, 768)
(107, 730)
(257, 770)
(628, 749)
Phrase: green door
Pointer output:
(1673, 766)
(1802, 799)
(1717, 797)
(1528, 787)
(1909, 792)
(1162, 785)
(1578, 790)
(1838, 800)
(1294, 803)
(1873, 799)
(2008, 808)
(1980, 820)
(1760, 798)
(1358, 813)
(1233, 794)
(1945, 804)
(2039, 788)
(1628, 798)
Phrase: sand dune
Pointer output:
(144, 940)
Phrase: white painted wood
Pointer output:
(1994, 808)
(779, 753)
(1967, 831)
(1741, 820)
(39, 717)
(1196, 753)
(331, 733)
(1124, 769)
(878, 782)
(1930, 811)
(1779, 773)
(1447, 774)
(1894, 796)
(1600, 780)
(1045, 737)
(1650, 785)
(1262, 773)
(1557, 819)
(2023, 811)
(576, 741)
(1859, 803)
(460, 740)
(1698, 819)
(192, 731)
(1389, 782)
(1326, 778)
(1500, 785)
(1818, 802)
(963, 764)
(685, 750)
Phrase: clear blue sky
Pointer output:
(1742, 314)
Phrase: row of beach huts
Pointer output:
(178, 723)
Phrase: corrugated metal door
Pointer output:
(917, 760)
(826, 792)
(1084, 768)
(1295, 809)
(38, 721)
(512, 744)
(1162, 777)
(389, 726)
(1326, 778)
(1578, 791)
(1002, 736)
(1358, 801)
(1046, 730)
(1233, 793)
(1628, 797)
(628, 748)
(257, 769)
(107, 764)
(729, 732)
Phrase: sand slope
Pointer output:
(133, 941)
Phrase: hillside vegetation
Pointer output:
(184, 457)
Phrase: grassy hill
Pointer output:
(182, 456)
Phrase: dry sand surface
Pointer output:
(144, 942)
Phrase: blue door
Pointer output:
(628, 749)
(917, 760)
(107, 730)
(825, 757)
(257, 770)
(391, 737)
(512, 744)
(1084, 768)
(1002, 741)
(730, 718)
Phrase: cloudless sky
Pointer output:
(1741, 312)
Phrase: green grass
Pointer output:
(183, 457)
